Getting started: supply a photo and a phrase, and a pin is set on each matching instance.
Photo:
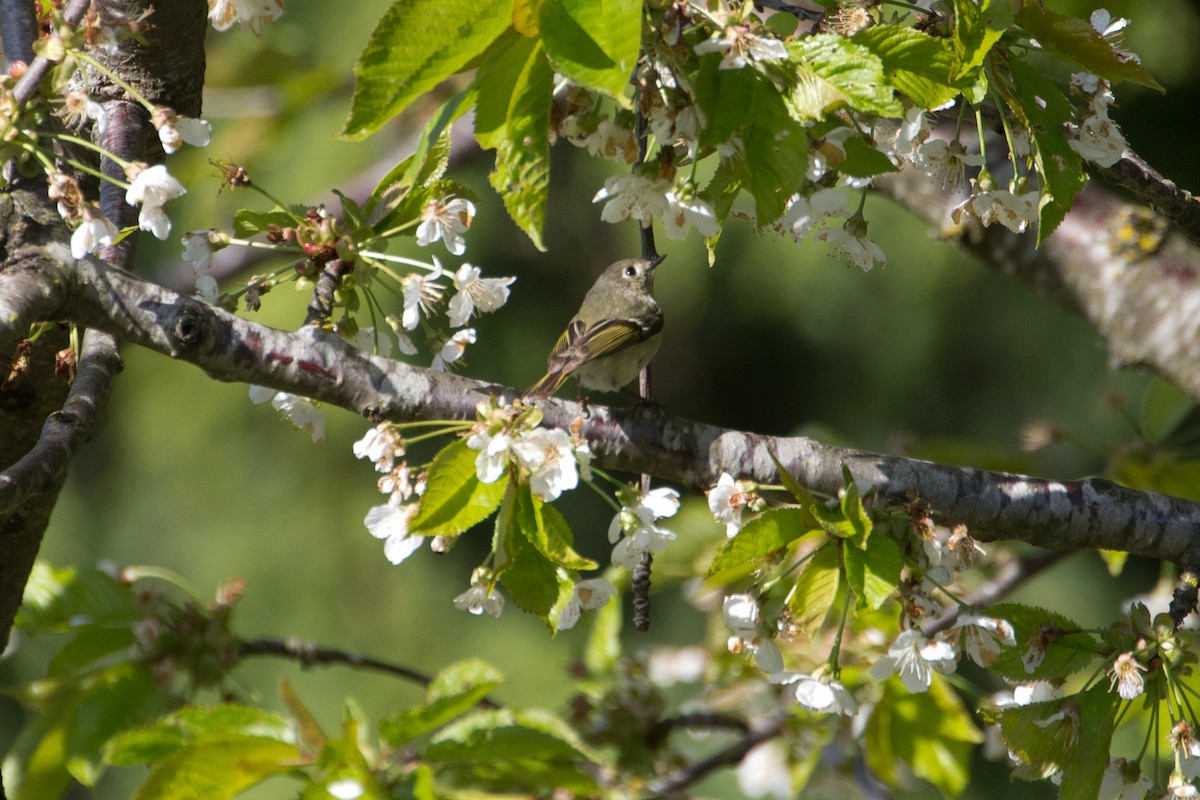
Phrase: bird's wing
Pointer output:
(578, 345)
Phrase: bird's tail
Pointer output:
(547, 386)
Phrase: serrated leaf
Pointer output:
(505, 735)
(454, 498)
(522, 173)
(1066, 652)
(918, 65)
(553, 538)
(416, 45)
(977, 28)
(816, 589)
(758, 539)
(191, 725)
(1072, 734)
(725, 97)
(832, 72)
(874, 573)
(1076, 41)
(594, 42)
(456, 690)
(1044, 110)
(931, 732)
(852, 509)
(776, 148)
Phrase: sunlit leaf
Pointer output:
(594, 42)
(454, 498)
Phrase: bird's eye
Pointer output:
(630, 271)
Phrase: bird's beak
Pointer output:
(654, 262)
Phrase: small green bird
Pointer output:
(614, 335)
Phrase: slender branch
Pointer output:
(733, 754)
(1015, 574)
(1178, 205)
(40, 67)
(308, 653)
(19, 22)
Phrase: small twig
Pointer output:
(19, 22)
(308, 653)
(723, 758)
(39, 67)
(705, 720)
(1012, 576)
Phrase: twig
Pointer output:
(1012, 576)
(40, 66)
(723, 758)
(308, 653)
(320, 307)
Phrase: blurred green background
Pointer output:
(933, 356)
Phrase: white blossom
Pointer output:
(634, 527)
(479, 599)
(152, 188)
(492, 460)
(1099, 140)
(613, 141)
(197, 249)
(590, 594)
(806, 211)
(452, 349)
(299, 411)
(915, 658)
(727, 500)
(207, 290)
(742, 617)
(632, 197)
(1105, 25)
(945, 161)
(549, 455)
(681, 213)
(1014, 212)
(380, 445)
(420, 295)
(174, 131)
(983, 636)
(447, 220)
(819, 692)
(853, 249)
(1126, 676)
(739, 47)
(346, 789)
(390, 523)
(94, 232)
(475, 294)
(249, 13)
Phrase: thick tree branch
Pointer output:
(1140, 291)
(1062, 515)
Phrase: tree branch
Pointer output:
(1061, 515)
(1140, 292)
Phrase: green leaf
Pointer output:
(1066, 650)
(798, 491)
(194, 724)
(853, 511)
(863, 160)
(816, 589)
(455, 690)
(759, 539)
(977, 28)
(603, 649)
(931, 732)
(530, 578)
(515, 752)
(218, 768)
(77, 719)
(916, 64)
(514, 118)
(594, 42)
(247, 222)
(874, 573)
(63, 599)
(832, 72)
(776, 149)
(454, 499)
(725, 97)
(1076, 41)
(90, 645)
(1044, 110)
(552, 537)
(1072, 734)
(416, 45)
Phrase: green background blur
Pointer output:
(932, 356)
